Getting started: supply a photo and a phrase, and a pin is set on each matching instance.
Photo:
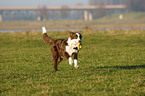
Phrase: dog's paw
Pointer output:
(77, 67)
(71, 64)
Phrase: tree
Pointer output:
(43, 13)
(101, 11)
(64, 12)
(135, 5)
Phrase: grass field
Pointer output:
(112, 63)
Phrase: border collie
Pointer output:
(64, 48)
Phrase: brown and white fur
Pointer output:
(63, 48)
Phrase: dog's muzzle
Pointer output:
(78, 45)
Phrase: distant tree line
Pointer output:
(43, 12)
(64, 12)
(132, 5)
(135, 5)
(107, 2)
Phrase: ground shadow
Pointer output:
(123, 67)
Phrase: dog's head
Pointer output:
(76, 37)
(75, 40)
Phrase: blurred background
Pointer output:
(73, 15)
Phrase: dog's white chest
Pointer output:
(71, 45)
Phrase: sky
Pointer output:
(15, 3)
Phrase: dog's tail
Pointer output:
(46, 38)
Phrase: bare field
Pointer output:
(130, 20)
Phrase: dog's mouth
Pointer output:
(78, 47)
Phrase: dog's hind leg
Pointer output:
(56, 60)
(59, 60)
(55, 57)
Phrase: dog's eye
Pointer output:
(76, 36)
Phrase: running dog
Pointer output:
(64, 48)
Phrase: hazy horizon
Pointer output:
(15, 3)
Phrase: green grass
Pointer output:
(112, 63)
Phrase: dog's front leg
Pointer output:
(70, 61)
(75, 55)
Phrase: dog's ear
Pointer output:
(71, 33)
